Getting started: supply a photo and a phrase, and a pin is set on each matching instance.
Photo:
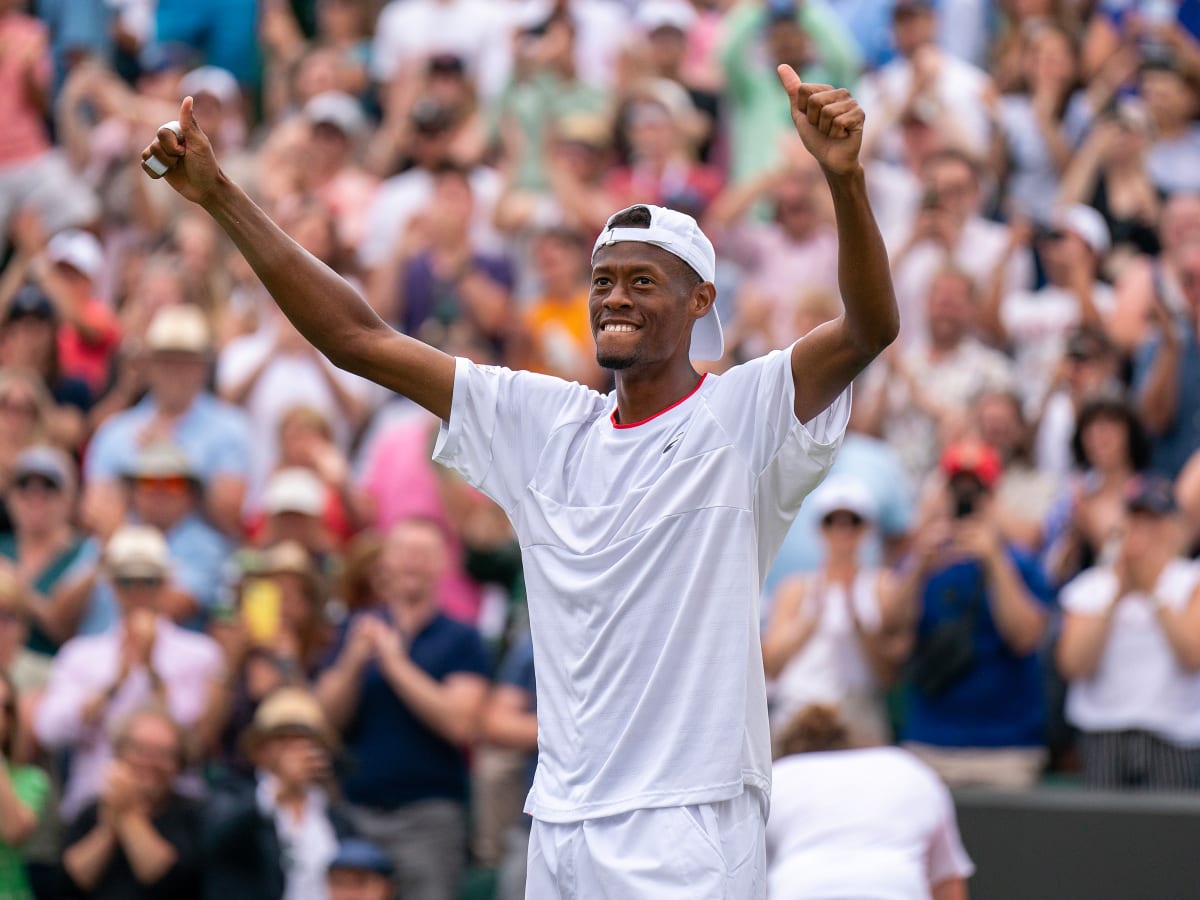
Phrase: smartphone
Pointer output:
(262, 603)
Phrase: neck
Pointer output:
(941, 347)
(43, 538)
(643, 392)
(1115, 478)
(841, 567)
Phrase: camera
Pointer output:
(967, 492)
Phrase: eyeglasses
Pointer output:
(37, 483)
(842, 518)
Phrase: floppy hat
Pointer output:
(680, 235)
(289, 710)
(181, 328)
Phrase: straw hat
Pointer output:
(289, 710)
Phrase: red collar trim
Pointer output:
(613, 416)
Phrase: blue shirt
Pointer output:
(517, 670)
(1174, 446)
(875, 464)
(213, 435)
(395, 757)
(1000, 701)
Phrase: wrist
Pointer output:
(217, 202)
(845, 179)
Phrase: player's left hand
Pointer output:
(828, 120)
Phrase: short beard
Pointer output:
(616, 363)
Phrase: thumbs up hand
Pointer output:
(182, 154)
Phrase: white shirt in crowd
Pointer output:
(308, 842)
(1138, 683)
(874, 823)
(645, 546)
(831, 666)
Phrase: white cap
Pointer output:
(137, 551)
(181, 327)
(1088, 224)
(338, 109)
(78, 249)
(680, 235)
(294, 490)
(212, 80)
(843, 493)
(655, 14)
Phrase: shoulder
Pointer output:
(199, 650)
(1089, 591)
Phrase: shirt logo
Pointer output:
(673, 441)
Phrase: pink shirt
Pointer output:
(187, 662)
(400, 476)
(23, 135)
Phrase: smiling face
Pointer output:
(642, 305)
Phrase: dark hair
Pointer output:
(1109, 407)
(9, 711)
(816, 728)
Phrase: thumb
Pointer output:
(187, 119)
(790, 80)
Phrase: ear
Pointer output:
(702, 299)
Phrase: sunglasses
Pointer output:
(175, 484)
(27, 483)
(844, 519)
(129, 583)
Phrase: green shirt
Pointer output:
(31, 787)
(759, 111)
(44, 584)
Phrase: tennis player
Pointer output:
(647, 518)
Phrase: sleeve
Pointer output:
(57, 722)
(470, 657)
(231, 455)
(1035, 580)
(1089, 593)
(947, 857)
(517, 668)
(32, 787)
(1176, 584)
(104, 459)
(741, 25)
(1143, 361)
(500, 421)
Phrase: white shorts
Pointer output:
(716, 851)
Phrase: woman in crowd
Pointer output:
(25, 411)
(831, 639)
(23, 791)
(873, 824)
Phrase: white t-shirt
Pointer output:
(872, 824)
(1138, 683)
(831, 665)
(645, 546)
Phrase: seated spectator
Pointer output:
(23, 792)
(143, 657)
(360, 871)
(510, 723)
(1167, 372)
(1170, 98)
(975, 702)
(177, 409)
(850, 822)
(25, 412)
(330, 172)
(295, 505)
(139, 839)
(830, 638)
(406, 689)
(1130, 650)
(1083, 528)
(273, 837)
(44, 546)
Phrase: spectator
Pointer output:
(831, 639)
(44, 546)
(510, 722)
(406, 689)
(975, 700)
(1035, 324)
(1174, 155)
(143, 657)
(1167, 373)
(25, 411)
(179, 410)
(360, 871)
(140, 838)
(29, 671)
(856, 822)
(1083, 529)
(274, 837)
(1130, 649)
(337, 126)
(23, 791)
(295, 503)
(758, 37)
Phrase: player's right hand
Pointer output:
(192, 168)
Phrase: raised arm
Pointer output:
(830, 122)
(324, 308)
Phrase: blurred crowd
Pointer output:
(253, 643)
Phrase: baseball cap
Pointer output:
(844, 494)
(46, 462)
(1151, 494)
(211, 80)
(1088, 224)
(30, 301)
(181, 328)
(656, 14)
(78, 249)
(338, 109)
(680, 235)
(972, 458)
(137, 551)
(294, 490)
(360, 854)
(161, 460)
(906, 7)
